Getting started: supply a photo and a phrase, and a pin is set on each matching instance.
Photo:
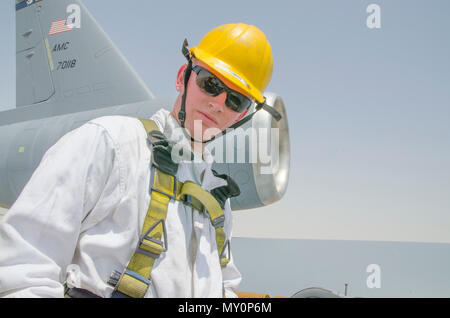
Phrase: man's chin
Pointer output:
(206, 135)
(203, 131)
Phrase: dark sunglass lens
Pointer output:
(237, 102)
(209, 83)
(213, 86)
(233, 102)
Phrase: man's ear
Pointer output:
(179, 85)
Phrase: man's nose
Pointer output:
(218, 102)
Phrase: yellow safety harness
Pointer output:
(135, 279)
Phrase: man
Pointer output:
(79, 218)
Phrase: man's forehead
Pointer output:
(227, 82)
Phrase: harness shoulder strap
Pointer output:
(149, 125)
(135, 279)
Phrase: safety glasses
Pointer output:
(213, 86)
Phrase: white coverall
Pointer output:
(81, 214)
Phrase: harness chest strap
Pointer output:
(135, 279)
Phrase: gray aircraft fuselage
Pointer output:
(68, 74)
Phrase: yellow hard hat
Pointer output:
(240, 53)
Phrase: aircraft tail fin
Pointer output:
(63, 57)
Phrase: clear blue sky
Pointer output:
(369, 109)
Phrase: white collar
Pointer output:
(172, 130)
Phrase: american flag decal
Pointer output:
(59, 26)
